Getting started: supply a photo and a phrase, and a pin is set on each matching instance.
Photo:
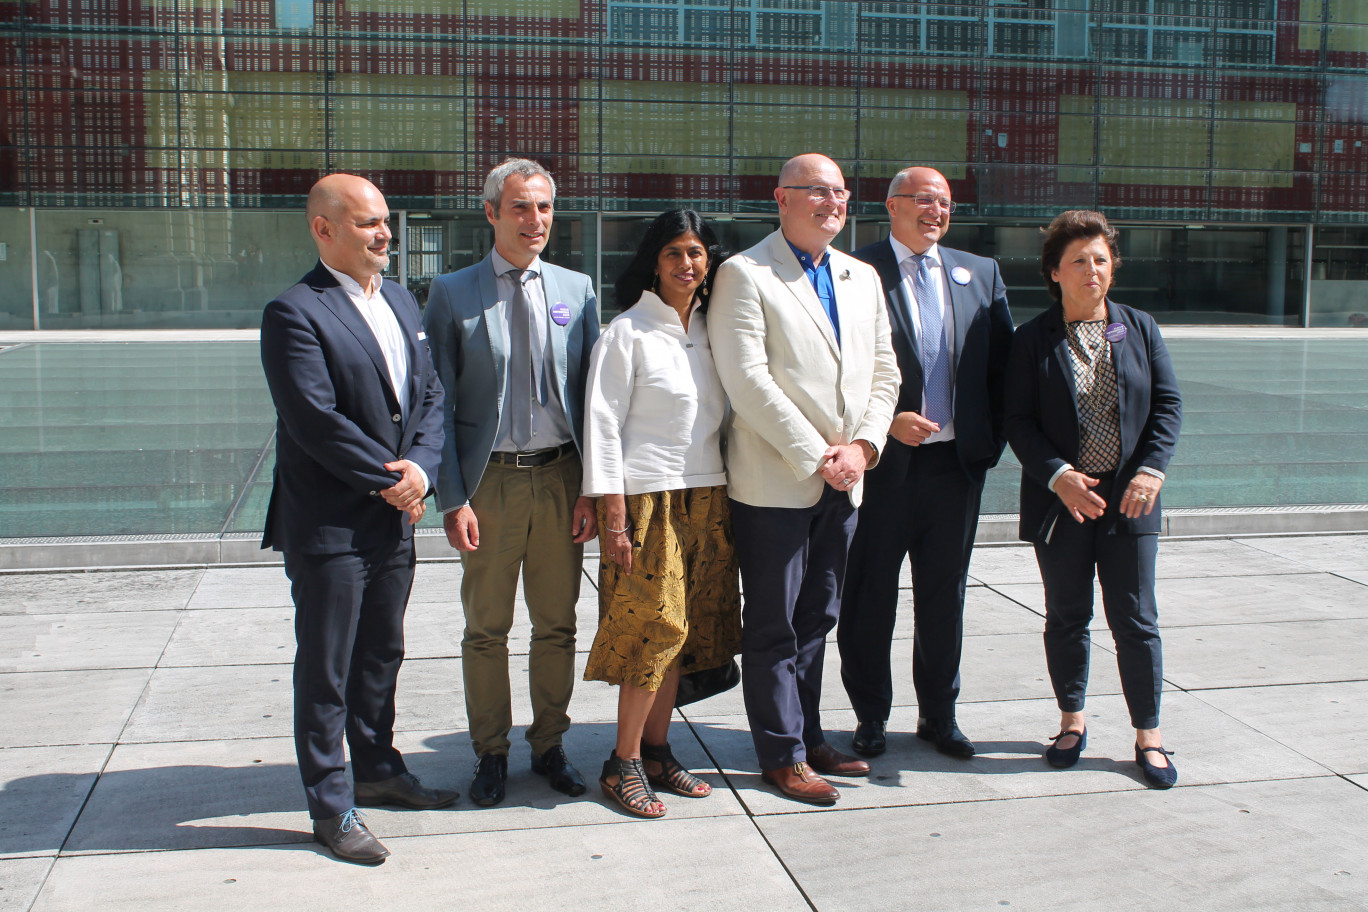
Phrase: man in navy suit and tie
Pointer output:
(358, 438)
(951, 332)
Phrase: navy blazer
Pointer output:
(983, 337)
(338, 420)
(1042, 413)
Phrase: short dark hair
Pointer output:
(1067, 227)
(640, 272)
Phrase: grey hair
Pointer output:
(898, 180)
(494, 183)
(903, 176)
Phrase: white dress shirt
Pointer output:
(908, 268)
(654, 407)
(384, 325)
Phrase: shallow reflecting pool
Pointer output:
(118, 438)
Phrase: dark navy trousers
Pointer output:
(793, 564)
(1124, 566)
(349, 636)
(924, 509)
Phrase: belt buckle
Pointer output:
(518, 461)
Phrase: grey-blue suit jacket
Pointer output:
(468, 333)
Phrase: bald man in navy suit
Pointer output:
(952, 332)
(358, 440)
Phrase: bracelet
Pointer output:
(619, 531)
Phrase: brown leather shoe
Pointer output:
(800, 783)
(828, 761)
(348, 839)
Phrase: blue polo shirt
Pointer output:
(820, 277)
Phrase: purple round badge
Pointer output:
(1116, 332)
(560, 313)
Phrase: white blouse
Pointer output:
(654, 407)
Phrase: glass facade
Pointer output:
(151, 438)
(154, 154)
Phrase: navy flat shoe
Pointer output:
(1061, 758)
(1157, 777)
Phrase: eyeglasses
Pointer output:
(817, 191)
(926, 201)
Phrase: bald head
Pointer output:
(915, 175)
(332, 192)
(810, 218)
(349, 222)
(795, 167)
(912, 224)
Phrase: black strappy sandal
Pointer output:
(673, 777)
(633, 790)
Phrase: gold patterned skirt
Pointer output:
(682, 601)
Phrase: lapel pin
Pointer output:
(960, 275)
(1115, 332)
(846, 274)
(560, 313)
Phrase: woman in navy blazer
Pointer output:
(1092, 413)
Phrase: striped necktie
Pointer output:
(520, 361)
(937, 380)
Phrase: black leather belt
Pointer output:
(533, 459)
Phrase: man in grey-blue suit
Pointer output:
(511, 337)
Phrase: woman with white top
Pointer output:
(668, 587)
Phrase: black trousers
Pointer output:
(928, 514)
(349, 636)
(792, 565)
(1124, 565)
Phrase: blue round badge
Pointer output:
(560, 313)
(1116, 332)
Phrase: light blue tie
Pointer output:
(937, 379)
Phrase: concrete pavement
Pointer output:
(146, 763)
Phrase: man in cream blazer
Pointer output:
(801, 341)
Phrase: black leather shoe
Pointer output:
(1156, 777)
(947, 737)
(349, 840)
(405, 791)
(491, 773)
(870, 739)
(557, 767)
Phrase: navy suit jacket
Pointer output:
(469, 335)
(1042, 413)
(983, 337)
(338, 420)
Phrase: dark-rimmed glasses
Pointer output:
(817, 191)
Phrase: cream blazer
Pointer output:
(794, 391)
